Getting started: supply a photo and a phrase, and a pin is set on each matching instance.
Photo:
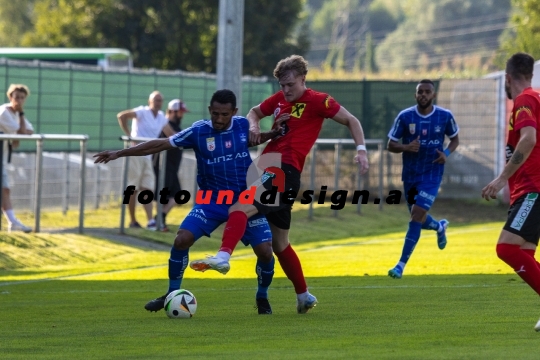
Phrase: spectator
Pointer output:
(175, 112)
(148, 122)
(12, 121)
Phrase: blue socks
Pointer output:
(265, 274)
(430, 223)
(177, 265)
(411, 239)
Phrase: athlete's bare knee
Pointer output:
(418, 214)
(184, 240)
(264, 252)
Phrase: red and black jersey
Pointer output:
(303, 127)
(526, 112)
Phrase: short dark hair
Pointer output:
(224, 97)
(520, 66)
(426, 81)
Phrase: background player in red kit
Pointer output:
(519, 237)
(307, 109)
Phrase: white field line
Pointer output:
(367, 287)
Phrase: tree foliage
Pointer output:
(170, 34)
(525, 33)
(342, 29)
(442, 31)
(15, 19)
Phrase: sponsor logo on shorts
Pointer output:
(197, 216)
(524, 211)
(257, 222)
(427, 196)
(199, 211)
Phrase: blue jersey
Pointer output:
(430, 131)
(222, 155)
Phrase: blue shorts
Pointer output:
(427, 191)
(203, 219)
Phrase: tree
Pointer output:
(170, 34)
(525, 33)
(441, 29)
(15, 20)
(340, 30)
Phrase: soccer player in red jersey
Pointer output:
(306, 109)
(519, 237)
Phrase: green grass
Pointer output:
(67, 296)
(420, 317)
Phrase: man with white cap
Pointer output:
(175, 111)
(148, 122)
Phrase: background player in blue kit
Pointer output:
(221, 147)
(422, 129)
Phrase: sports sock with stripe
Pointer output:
(177, 265)
(411, 239)
(265, 274)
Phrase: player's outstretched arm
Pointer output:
(349, 120)
(145, 148)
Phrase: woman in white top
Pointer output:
(12, 121)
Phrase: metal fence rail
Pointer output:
(337, 156)
(40, 139)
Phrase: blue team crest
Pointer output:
(211, 144)
(243, 137)
(276, 112)
(424, 132)
(228, 144)
(437, 129)
(412, 128)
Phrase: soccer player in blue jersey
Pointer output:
(422, 129)
(221, 148)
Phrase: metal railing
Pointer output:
(160, 184)
(39, 139)
(338, 144)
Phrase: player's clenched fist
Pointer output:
(414, 145)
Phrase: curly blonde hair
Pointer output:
(295, 63)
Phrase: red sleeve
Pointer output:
(328, 107)
(267, 106)
(526, 113)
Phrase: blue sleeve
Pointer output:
(452, 128)
(185, 138)
(396, 132)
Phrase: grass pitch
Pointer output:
(75, 296)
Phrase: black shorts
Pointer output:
(279, 214)
(524, 217)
